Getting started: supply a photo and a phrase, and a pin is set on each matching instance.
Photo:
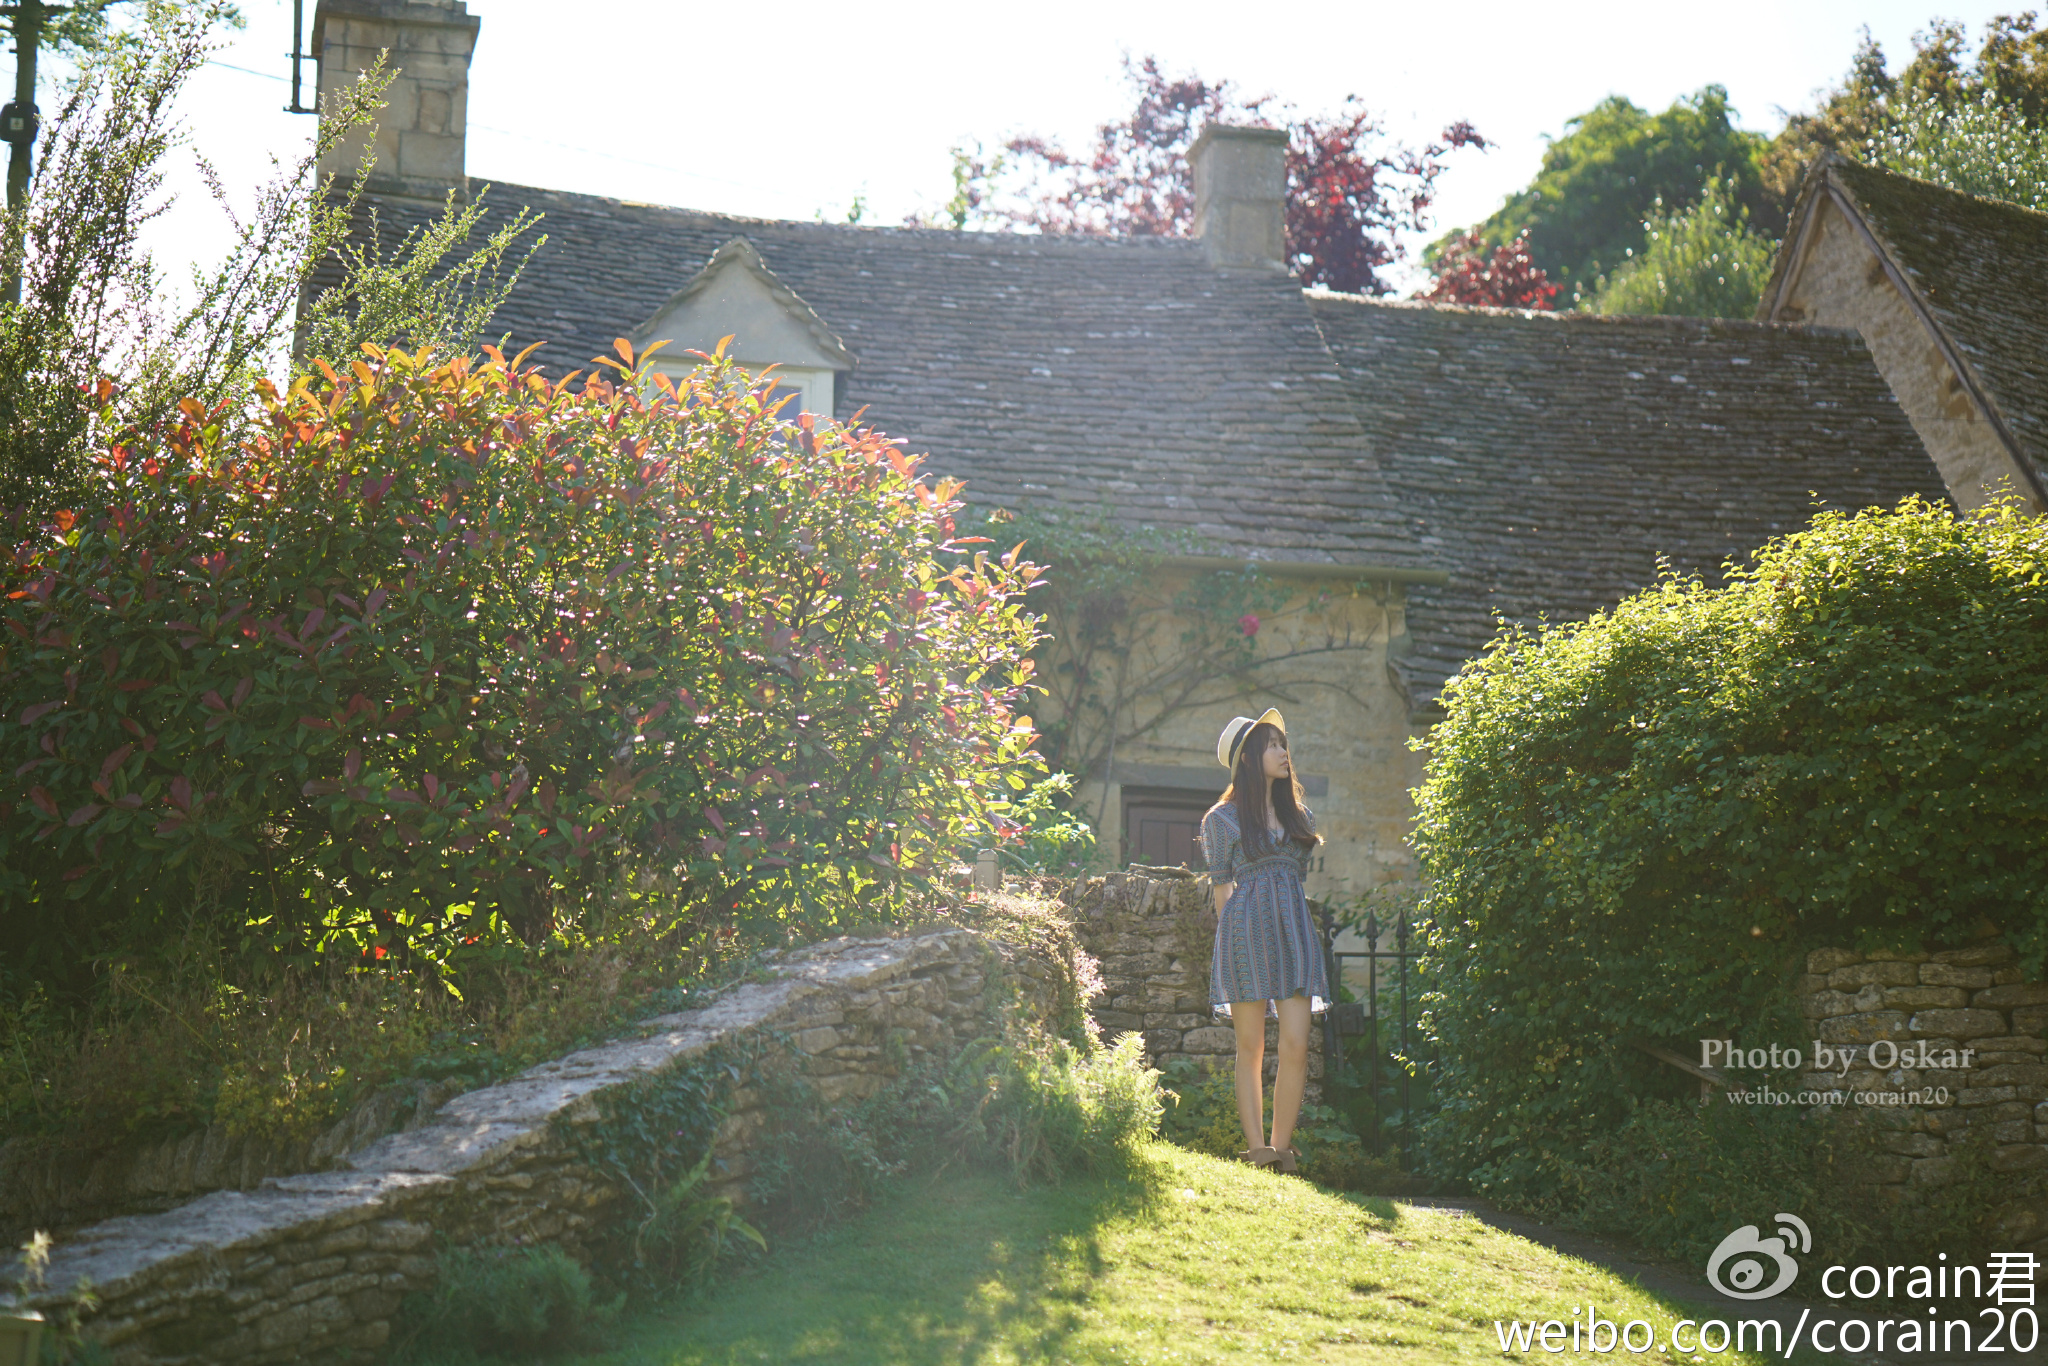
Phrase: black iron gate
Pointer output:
(1385, 1020)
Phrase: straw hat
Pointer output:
(1228, 743)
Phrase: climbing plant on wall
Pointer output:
(1136, 636)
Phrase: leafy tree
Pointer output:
(82, 26)
(1635, 827)
(419, 293)
(437, 655)
(975, 173)
(1584, 213)
(2012, 65)
(39, 29)
(2010, 71)
(1982, 146)
(1702, 262)
(1348, 193)
(1467, 271)
(93, 349)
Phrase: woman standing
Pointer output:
(1258, 839)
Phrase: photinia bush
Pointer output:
(444, 653)
(1636, 827)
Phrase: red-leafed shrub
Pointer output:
(447, 654)
(1467, 271)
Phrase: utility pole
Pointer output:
(298, 57)
(18, 122)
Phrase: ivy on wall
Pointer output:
(1135, 641)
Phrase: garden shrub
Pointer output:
(1037, 835)
(1035, 923)
(1635, 827)
(507, 1302)
(1050, 1108)
(652, 1139)
(280, 1056)
(1038, 1107)
(445, 658)
(1677, 1175)
(687, 1231)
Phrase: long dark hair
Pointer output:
(1255, 796)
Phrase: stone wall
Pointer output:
(54, 1190)
(1153, 932)
(312, 1267)
(1967, 1007)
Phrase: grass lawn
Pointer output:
(1190, 1260)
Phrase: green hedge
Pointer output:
(1635, 827)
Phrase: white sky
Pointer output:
(792, 109)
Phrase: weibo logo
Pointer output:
(1746, 1260)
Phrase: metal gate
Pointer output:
(1385, 1019)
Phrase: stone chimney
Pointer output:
(420, 132)
(1241, 195)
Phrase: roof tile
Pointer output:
(1553, 463)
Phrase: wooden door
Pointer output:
(1163, 834)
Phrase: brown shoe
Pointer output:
(1287, 1160)
(1259, 1157)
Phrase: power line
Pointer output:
(246, 70)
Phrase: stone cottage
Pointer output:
(1950, 292)
(1405, 472)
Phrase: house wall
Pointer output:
(1347, 724)
(734, 303)
(1842, 283)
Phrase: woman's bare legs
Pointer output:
(1248, 1018)
(1293, 1076)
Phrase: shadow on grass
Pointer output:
(951, 1272)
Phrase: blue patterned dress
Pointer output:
(1267, 948)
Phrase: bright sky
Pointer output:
(789, 110)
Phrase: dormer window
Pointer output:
(736, 295)
(810, 391)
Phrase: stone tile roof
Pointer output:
(1551, 462)
(1124, 376)
(1980, 266)
(1548, 462)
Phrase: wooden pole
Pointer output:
(28, 16)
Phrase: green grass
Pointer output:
(1188, 1260)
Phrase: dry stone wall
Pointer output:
(312, 1267)
(54, 1190)
(1936, 1050)
(1153, 932)
(1968, 1013)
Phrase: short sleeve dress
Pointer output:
(1267, 948)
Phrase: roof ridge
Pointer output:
(1834, 159)
(1141, 242)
